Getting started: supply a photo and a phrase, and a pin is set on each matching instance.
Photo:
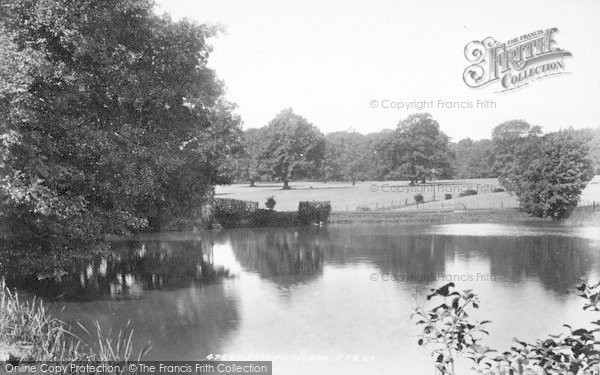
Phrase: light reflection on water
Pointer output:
(516, 230)
(310, 292)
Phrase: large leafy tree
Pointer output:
(591, 137)
(420, 147)
(554, 180)
(547, 173)
(109, 118)
(474, 159)
(380, 154)
(516, 144)
(248, 161)
(345, 154)
(594, 145)
(292, 148)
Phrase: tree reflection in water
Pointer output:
(282, 255)
(130, 268)
(287, 256)
(180, 291)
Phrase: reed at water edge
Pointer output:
(28, 332)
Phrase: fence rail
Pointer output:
(589, 205)
(440, 205)
(450, 205)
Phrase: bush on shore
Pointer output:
(315, 211)
(270, 218)
(270, 203)
(308, 212)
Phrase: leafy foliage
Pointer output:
(547, 173)
(292, 147)
(268, 218)
(474, 159)
(420, 146)
(270, 203)
(244, 165)
(591, 137)
(555, 179)
(315, 211)
(515, 144)
(594, 145)
(448, 332)
(109, 119)
(345, 157)
(413, 150)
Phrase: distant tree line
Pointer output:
(546, 172)
(290, 148)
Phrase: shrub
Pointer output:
(447, 196)
(548, 173)
(268, 218)
(497, 190)
(270, 203)
(419, 198)
(230, 220)
(362, 208)
(238, 207)
(230, 212)
(448, 330)
(308, 212)
(315, 211)
(468, 192)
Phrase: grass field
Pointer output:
(387, 195)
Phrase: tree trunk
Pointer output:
(252, 183)
(286, 185)
(353, 181)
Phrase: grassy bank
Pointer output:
(430, 217)
(29, 332)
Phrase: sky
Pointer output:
(341, 64)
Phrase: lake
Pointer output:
(334, 300)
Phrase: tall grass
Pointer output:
(33, 334)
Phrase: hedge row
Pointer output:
(308, 213)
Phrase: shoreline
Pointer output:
(432, 217)
(579, 218)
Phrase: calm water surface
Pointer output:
(333, 300)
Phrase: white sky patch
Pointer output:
(327, 59)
